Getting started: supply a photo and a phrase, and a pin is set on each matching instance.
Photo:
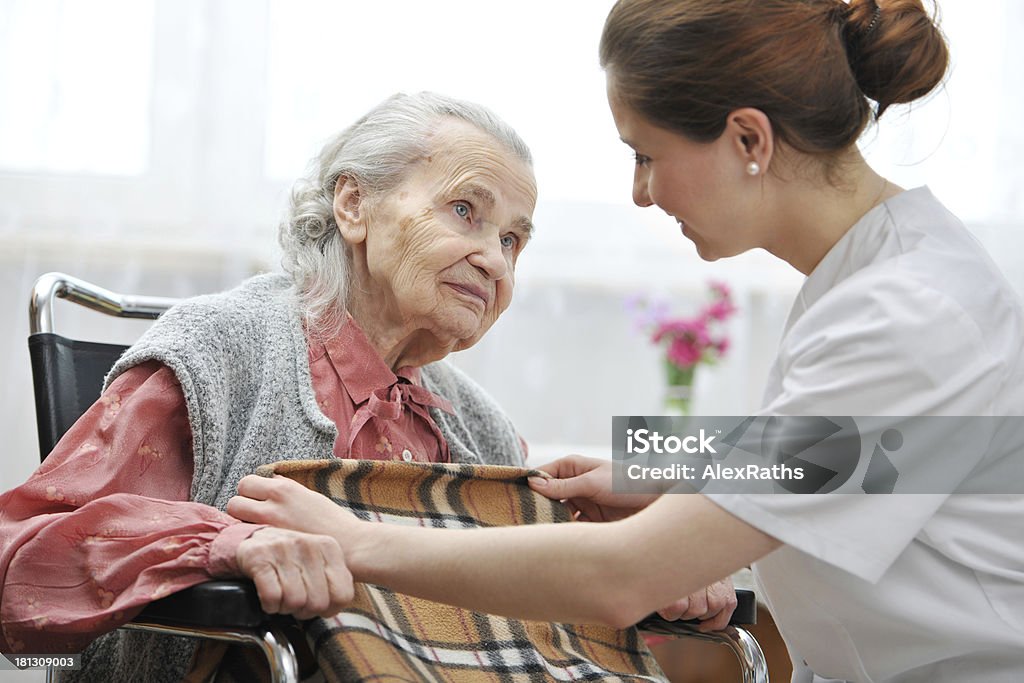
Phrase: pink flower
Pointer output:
(688, 340)
(684, 352)
(720, 310)
(695, 328)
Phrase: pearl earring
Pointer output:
(753, 168)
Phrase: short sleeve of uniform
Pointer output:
(877, 345)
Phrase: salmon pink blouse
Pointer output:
(104, 525)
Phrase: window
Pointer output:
(76, 88)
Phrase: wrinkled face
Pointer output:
(441, 248)
(699, 184)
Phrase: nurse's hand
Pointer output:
(287, 504)
(585, 484)
(713, 606)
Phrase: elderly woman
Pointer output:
(399, 249)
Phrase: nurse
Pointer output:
(744, 119)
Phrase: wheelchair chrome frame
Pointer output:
(278, 650)
(753, 666)
(275, 645)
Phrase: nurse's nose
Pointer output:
(641, 197)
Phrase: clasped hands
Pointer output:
(298, 562)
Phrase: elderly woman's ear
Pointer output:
(348, 210)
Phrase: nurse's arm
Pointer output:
(613, 573)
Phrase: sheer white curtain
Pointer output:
(149, 146)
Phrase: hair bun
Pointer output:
(896, 50)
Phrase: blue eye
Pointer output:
(462, 210)
(509, 241)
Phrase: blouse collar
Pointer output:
(363, 371)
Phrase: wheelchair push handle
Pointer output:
(59, 285)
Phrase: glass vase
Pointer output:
(679, 389)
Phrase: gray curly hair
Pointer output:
(376, 151)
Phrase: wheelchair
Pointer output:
(67, 378)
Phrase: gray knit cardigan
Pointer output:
(241, 358)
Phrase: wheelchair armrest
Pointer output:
(744, 615)
(235, 604)
(216, 604)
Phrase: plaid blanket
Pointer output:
(388, 636)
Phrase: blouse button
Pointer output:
(407, 455)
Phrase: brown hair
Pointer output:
(809, 65)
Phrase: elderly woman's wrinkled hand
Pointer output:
(296, 573)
